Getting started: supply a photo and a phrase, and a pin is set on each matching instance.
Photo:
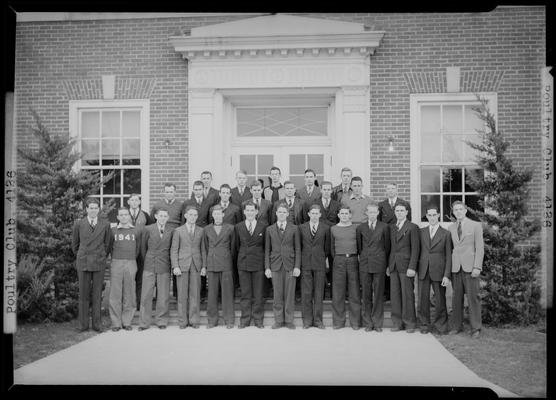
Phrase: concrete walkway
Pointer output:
(252, 356)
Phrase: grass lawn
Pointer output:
(513, 358)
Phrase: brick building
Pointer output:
(161, 97)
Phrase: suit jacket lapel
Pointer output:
(401, 232)
(436, 238)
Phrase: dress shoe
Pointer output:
(476, 334)
(355, 328)
(395, 329)
(454, 331)
(320, 325)
(142, 328)
(276, 326)
(378, 329)
(194, 326)
(260, 325)
(82, 329)
(242, 326)
(161, 326)
(306, 326)
(368, 328)
(98, 329)
(337, 327)
(410, 330)
(290, 326)
(424, 331)
(183, 326)
(128, 328)
(229, 326)
(210, 326)
(116, 329)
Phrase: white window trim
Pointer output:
(415, 100)
(77, 105)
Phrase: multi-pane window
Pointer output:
(446, 161)
(111, 142)
(300, 162)
(282, 122)
(257, 166)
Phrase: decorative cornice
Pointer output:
(331, 45)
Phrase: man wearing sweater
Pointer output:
(125, 249)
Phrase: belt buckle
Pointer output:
(347, 255)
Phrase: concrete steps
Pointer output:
(268, 314)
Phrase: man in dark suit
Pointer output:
(294, 205)
(200, 202)
(264, 207)
(139, 219)
(241, 192)
(386, 214)
(282, 264)
(156, 241)
(250, 240)
(435, 267)
(209, 193)
(467, 264)
(186, 259)
(344, 188)
(387, 206)
(373, 247)
(90, 243)
(315, 248)
(218, 255)
(231, 211)
(402, 264)
(329, 216)
(309, 193)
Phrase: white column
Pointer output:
(201, 133)
(352, 136)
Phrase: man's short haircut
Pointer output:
(288, 183)
(242, 171)
(357, 178)
(327, 183)
(344, 207)
(216, 207)
(225, 186)
(123, 209)
(315, 207)
(346, 169)
(92, 200)
(310, 170)
(162, 208)
(190, 207)
(256, 183)
(250, 203)
(404, 205)
(197, 183)
(274, 168)
(170, 184)
(372, 204)
(135, 195)
(455, 203)
(432, 207)
(206, 172)
(282, 204)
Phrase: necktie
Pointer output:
(313, 230)
(372, 226)
(241, 191)
(289, 203)
(282, 229)
(432, 231)
(392, 204)
(345, 189)
(161, 232)
(399, 224)
(459, 230)
(190, 229)
(325, 204)
(258, 203)
(92, 223)
(251, 228)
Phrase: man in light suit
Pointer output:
(467, 264)
(435, 266)
(402, 264)
(309, 193)
(264, 207)
(250, 240)
(241, 192)
(186, 260)
(218, 255)
(156, 240)
(90, 243)
(373, 247)
(282, 264)
(275, 191)
(315, 248)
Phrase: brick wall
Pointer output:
(503, 50)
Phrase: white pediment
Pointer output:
(277, 25)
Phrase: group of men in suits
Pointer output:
(294, 238)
